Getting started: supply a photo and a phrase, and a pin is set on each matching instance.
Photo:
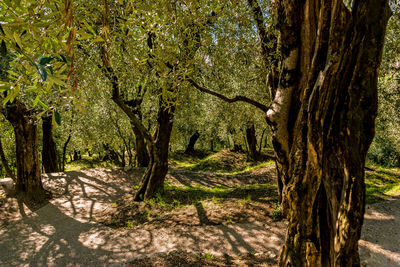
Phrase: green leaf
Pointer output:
(2, 30)
(17, 40)
(45, 60)
(57, 117)
(36, 101)
(63, 58)
(51, 70)
(3, 49)
(43, 105)
(42, 72)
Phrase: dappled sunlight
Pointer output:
(64, 231)
(380, 239)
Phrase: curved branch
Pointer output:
(230, 100)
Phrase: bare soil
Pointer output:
(232, 228)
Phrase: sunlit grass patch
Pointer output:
(84, 164)
(382, 184)
(222, 162)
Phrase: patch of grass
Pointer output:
(180, 159)
(259, 165)
(276, 213)
(222, 162)
(84, 164)
(191, 194)
(131, 214)
(382, 184)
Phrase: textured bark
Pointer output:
(28, 182)
(154, 176)
(323, 123)
(192, 142)
(49, 152)
(142, 156)
(5, 163)
(251, 141)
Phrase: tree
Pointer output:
(385, 149)
(33, 68)
(49, 149)
(192, 141)
(323, 118)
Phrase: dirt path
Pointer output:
(63, 233)
(380, 240)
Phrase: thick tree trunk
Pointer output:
(154, 176)
(49, 152)
(323, 121)
(28, 182)
(5, 163)
(252, 141)
(192, 142)
(142, 156)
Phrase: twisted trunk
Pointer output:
(323, 122)
(28, 182)
(142, 156)
(49, 152)
(154, 176)
(192, 142)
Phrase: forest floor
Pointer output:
(208, 215)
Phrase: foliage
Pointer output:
(385, 149)
(34, 64)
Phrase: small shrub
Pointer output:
(276, 213)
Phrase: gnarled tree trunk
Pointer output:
(142, 156)
(251, 141)
(28, 182)
(192, 142)
(323, 121)
(154, 176)
(49, 152)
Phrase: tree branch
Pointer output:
(268, 43)
(108, 71)
(256, 104)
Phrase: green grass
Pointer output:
(84, 164)
(173, 195)
(382, 184)
(222, 162)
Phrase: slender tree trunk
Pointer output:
(192, 142)
(49, 152)
(252, 141)
(261, 140)
(28, 182)
(323, 122)
(154, 176)
(5, 163)
(142, 155)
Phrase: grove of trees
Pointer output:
(131, 81)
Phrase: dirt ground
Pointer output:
(66, 231)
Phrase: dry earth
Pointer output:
(64, 232)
